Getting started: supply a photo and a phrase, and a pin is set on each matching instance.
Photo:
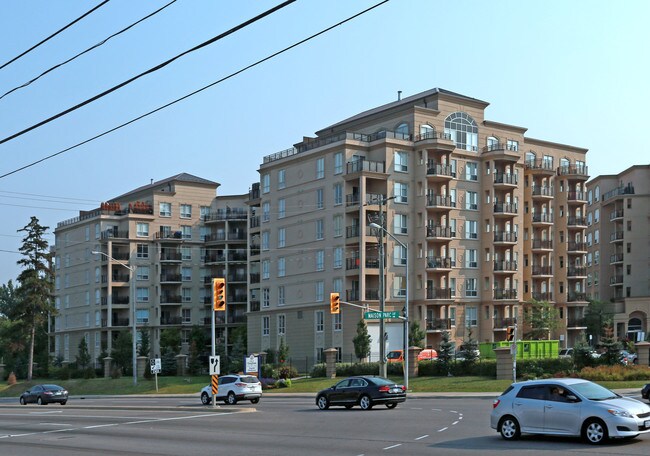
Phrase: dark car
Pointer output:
(364, 391)
(45, 394)
(645, 392)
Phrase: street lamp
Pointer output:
(406, 305)
(133, 327)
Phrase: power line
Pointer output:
(55, 34)
(87, 50)
(149, 71)
(160, 108)
(90, 201)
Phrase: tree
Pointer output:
(283, 351)
(83, 357)
(469, 350)
(416, 334)
(13, 340)
(144, 348)
(362, 341)
(541, 318)
(597, 315)
(170, 341)
(612, 346)
(237, 352)
(122, 350)
(35, 285)
(446, 349)
(197, 346)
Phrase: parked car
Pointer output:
(645, 392)
(570, 407)
(566, 353)
(628, 358)
(364, 391)
(45, 394)
(428, 354)
(395, 356)
(233, 388)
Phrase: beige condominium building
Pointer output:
(491, 218)
(618, 258)
(160, 243)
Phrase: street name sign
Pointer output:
(380, 315)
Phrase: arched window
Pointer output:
(492, 143)
(402, 129)
(426, 131)
(597, 193)
(530, 158)
(564, 165)
(463, 130)
(590, 197)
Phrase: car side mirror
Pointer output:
(572, 398)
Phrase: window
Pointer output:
(320, 229)
(142, 229)
(281, 300)
(399, 287)
(165, 209)
(186, 273)
(452, 286)
(401, 161)
(266, 297)
(320, 291)
(470, 258)
(452, 255)
(266, 326)
(281, 208)
(338, 322)
(401, 192)
(320, 260)
(463, 130)
(402, 131)
(547, 162)
(266, 267)
(142, 273)
(142, 316)
(266, 244)
(513, 145)
(282, 235)
(400, 224)
(399, 255)
(97, 231)
(596, 215)
(338, 225)
(186, 253)
(186, 294)
(266, 212)
(142, 294)
(282, 271)
(319, 198)
(204, 232)
(186, 232)
(597, 237)
(471, 171)
(338, 194)
(470, 316)
(282, 325)
(205, 212)
(186, 211)
(338, 257)
(471, 227)
(471, 202)
(266, 183)
(320, 168)
(142, 251)
(282, 183)
(319, 319)
(338, 163)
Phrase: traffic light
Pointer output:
(335, 303)
(219, 294)
(510, 333)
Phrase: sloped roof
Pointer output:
(182, 177)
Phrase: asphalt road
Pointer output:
(276, 426)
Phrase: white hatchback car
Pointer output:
(233, 388)
(569, 407)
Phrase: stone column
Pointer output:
(141, 363)
(330, 362)
(413, 361)
(108, 364)
(180, 364)
(643, 353)
(504, 363)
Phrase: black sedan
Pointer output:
(645, 392)
(45, 394)
(364, 391)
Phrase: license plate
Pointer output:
(395, 390)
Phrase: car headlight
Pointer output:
(622, 413)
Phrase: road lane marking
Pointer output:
(46, 413)
(454, 423)
(443, 429)
(422, 437)
(453, 411)
(392, 446)
(100, 426)
(437, 410)
(416, 408)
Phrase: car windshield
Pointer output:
(393, 355)
(249, 379)
(52, 387)
(593, 391)
(382, 381)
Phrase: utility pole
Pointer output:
(382, 299)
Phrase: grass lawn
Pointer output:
(192, 385)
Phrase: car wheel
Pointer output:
(40, 401)
(205, 398)
(594, 431)
(231, 399)
(391, 405)
(365, 402)
(509, 428)
(22, 401)
(255, 401)
(323, 403)
(64, 402)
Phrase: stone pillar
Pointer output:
(330, 362)
(141, 364)
(180, 364)
(643, 353)
(413, 361)
(504, 363)
(108, 364)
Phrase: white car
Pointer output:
(568, 407)
(233, 388)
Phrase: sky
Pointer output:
(570, 72)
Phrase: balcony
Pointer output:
(580, 222)
(169, 235)
(254, 221)
(237, 256)
(505, 267)
(501, 151)
(437, 140)
(505, 180)
(616, 236)
(372, 294)
(352, 295)
(164, 321)
(505, 293)
(439, 232)
(237, 277)
(616, 258)
(120, 300)
(576, 197)
(168, 277)
(542, 271)
(166, 298)
(542, 244)
(542, 192)
(577, 271)
(577, 297)
(574, 171)
(114, 234)
(439, 172)
(505, 209)
(576, 247)
(255, 306)
(254, 277)
(615, 215)
(576, 322)
(616, 280)
(214, 237)
(123, 322)
(214, 258)
(439, 263)
(540, 167)
(542, 219)
(361, 166)
(542, 296)
(167, 255)
(503, 323)
(439, 293)
(438, 324)
(505, 237)
(440, 202)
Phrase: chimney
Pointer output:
(399, 95)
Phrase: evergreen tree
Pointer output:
(122, 351)
(35, 286)
(611, 345)
(198, 342)
(416, 334)
(362, 341)
(597, 315)
(582, 353)
(469, 349)
(144, 348)
(446, 350)
(237, 353)
(83, 357)
(283, 351)
(170, 341)
(13, 339)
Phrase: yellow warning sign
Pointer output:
(215, 384)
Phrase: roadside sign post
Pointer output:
(215, 370)
(381, 315)
(156, 367)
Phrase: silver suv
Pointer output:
(570, 407)
(233, 388)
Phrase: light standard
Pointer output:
(132, 299)
(406, 305)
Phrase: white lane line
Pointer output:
(153, 420)
(416, 408)
(46, 413)
(57, 430)
(454, 423)
(54, 424)
(100, 426)
(392, 446)
(437, 410)
(453, 411)
(17, 435)
(443, 429)
(422, 437)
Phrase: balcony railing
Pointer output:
(542, 218)
(508, 208)
(505, 266)
(616, 236)
(438, 169)
(358, 166)
(506, 178)
(170, 299)
(616, 214)
(119, 322)
(541, 164)
(542, 270)
(576, 246)
(433, 134)
(505, 236)
(543, 191)
(438, 293)
(440, 200)
(438, 324)
(170, 256)
(576, 322)
(171, 320)
(505, 293)
(542, 296)
(577, 296)
(439, 262)
(120, 299)
(170, 277)
(576, 271)
(616, 258)
(352, 295)
(255, 306)
(573, 170)
(576, 221)
(616, 280)
(546, 244)
(500, 323)
(439, 231)
(254, 277)
(576, 196)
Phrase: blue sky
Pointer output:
(571, 72)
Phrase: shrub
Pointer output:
(615, 373)
(286, 372)
(318, 370)
(268, 383)
(269, 372)
(284, 383)
(11, 380)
